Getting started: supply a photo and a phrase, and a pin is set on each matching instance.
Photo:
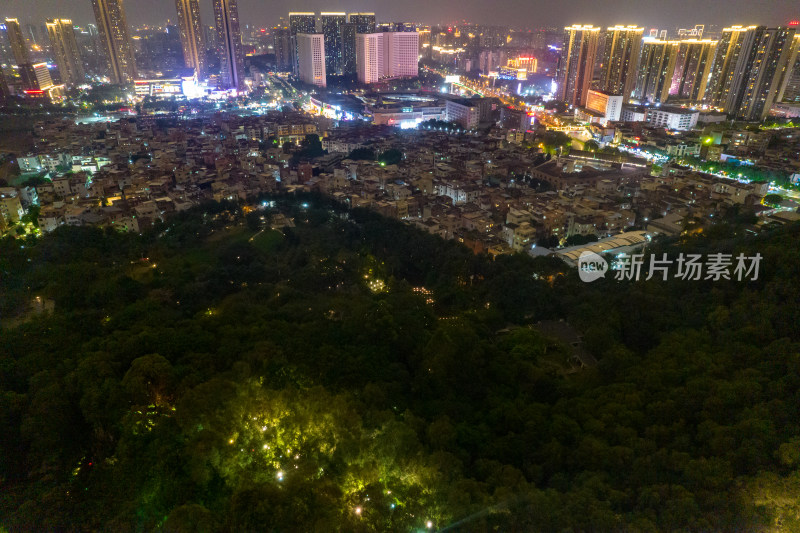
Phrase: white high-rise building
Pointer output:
(401, 54)
(311, 58)
(369, 57)
(387, 55)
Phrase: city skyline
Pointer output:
(516, 13)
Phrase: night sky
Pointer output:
(518, 13)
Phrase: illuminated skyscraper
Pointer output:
(765, 74)
(311, 58)
(300, 23)
(750, 70)
(65, 51)
(656, 65)
(734, 53)
(692, 68)
(577, 63)
(365, 22)
(112, 27)
(348, 34)
(19, 49)
(331, 30)
(790, 88)
(620, 59)
(229, 44)
(282, 44)
(191, 28)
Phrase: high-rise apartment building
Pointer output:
(191, 29)
(16, 40)
(300, 23)
(365, 22)
(765, 75)
(751, 69)
(790, 88)
(656, 65)
(577, 63)
(735, 51)
(369, 57)
(113, 33)
(401, 54)
(331, 30)
(229, 44)
(387, 55)
(348, 34)
(311, 58)
(620, 60)
(65, 51)
(282, 44)
(693, 63)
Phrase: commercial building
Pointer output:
(407, 115)
(621, 59)
(191, 30)
(464, 111)
(331, 30)
(65, 51)
(693, 62)
(656, 65)
(577, 63)
(602, 107)
(36, 76)
(672, 118)
(112, 27)
(229, 44)
(311, 58)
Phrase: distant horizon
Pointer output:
(511, 13)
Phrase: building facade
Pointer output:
(693, 62)
(191, 30)
(369, 57)
(300, 23)
(112, 27)
(65, 51)
(656, 65)
(229, 44)
(365, 22)
(621, 59)
(401, 54)
(311, 58)
(16, 40)
(577, 63)
(331, 30)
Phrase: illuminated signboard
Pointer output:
(452, 79)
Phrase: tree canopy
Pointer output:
(353, 373)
